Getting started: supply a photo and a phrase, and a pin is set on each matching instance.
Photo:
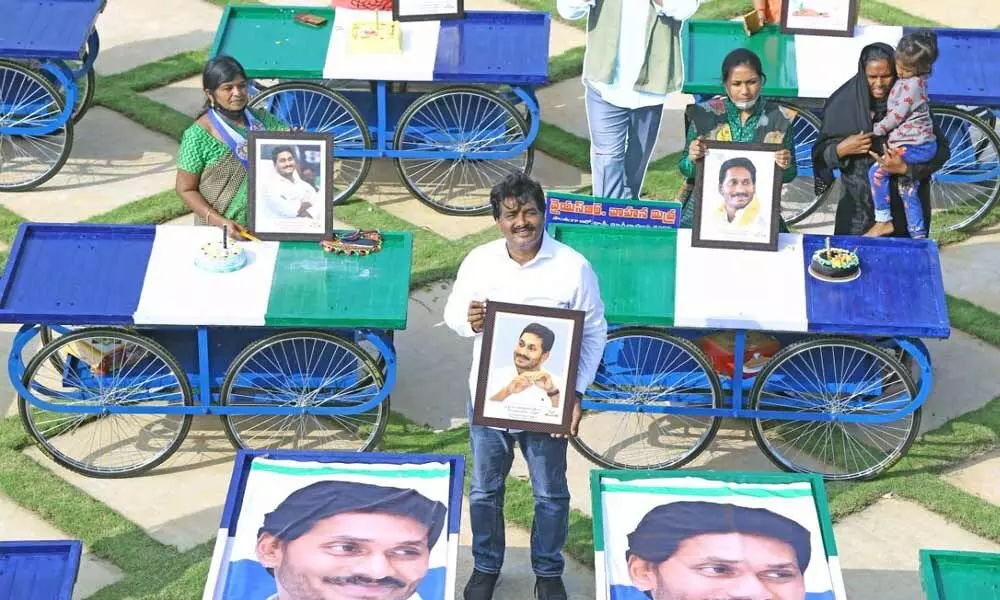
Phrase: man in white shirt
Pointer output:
(286, 194)
(525, 267)
(633, 61)
(524, 388)
(740, 210)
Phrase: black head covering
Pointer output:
(303, 508)
(660, 533)
(849, 109)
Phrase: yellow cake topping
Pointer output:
(373, 37)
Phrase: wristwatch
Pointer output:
(553, 393)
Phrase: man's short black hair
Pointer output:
(303, 508)
(660, 533)
(279, 150)
(543, 333)
(733, 163)
(521, 188)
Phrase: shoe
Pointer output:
(480, 586)
(550, 588)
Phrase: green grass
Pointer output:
(152, 210)
(975, 320)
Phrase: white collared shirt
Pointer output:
(631, 46)
(284, 197)
(558, 277)
(532, 400)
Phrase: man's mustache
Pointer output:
(522, 356)
(364, 580)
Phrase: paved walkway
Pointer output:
(974, 14)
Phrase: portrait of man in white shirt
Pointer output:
(285, 195)
(740, 212)
(526, 389)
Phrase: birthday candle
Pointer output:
(225, 236)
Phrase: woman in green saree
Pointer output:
(741, 116)
(212, 160)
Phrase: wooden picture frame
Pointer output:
(271, 214)
(810, 18)
(427, 10)
(514, 347)
(718, 221)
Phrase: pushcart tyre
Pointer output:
(86, 85)
(799, 198)
(894, 376)
(43, 360)
(332, 113)
(19, 80)
(678, 353)
(411, 135)
(371, 377)
(967, 187)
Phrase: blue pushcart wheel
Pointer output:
(299, 373)
(967, 187)
(798, 197)
(839, 407)
(35, 136)
(454, 122)
(632, 415)
(77, 413)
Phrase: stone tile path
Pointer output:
(17, 523)
(975, 14)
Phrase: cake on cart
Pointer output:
(804, 70)
(47, 54)
(293, 350)
(831, 374)
(451, 102)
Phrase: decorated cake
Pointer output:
(219, 257)
(835, 263)
(375, 37)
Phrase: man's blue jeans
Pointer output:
(492, 456)
(621, 144)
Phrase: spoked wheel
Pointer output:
(461, 120)
(28, 100)
(649, 369)
(301, 370)
(313, 107)
(834, 377)
(798, 197)
(110, 369)
(86, 85)
(965, 189)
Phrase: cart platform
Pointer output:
(800, 66)
(47, 28)
(77, 274)
(496, 47)
(42, 570)
(953, 575)
(655, 277)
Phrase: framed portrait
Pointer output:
(819, 17)
(527, 367)
(290, 190)
(286, 509)
(769, 531)
(739, 192)
(427, 10)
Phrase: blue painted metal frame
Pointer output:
(206, 398)
(241, 469)
(26, 584)
(737, 410)
(66, 78)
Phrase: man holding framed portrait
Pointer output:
(526, 277)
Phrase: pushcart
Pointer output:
(841, 393)
(47, 54)
(804, 70)
(456, 110)
(292, 351)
